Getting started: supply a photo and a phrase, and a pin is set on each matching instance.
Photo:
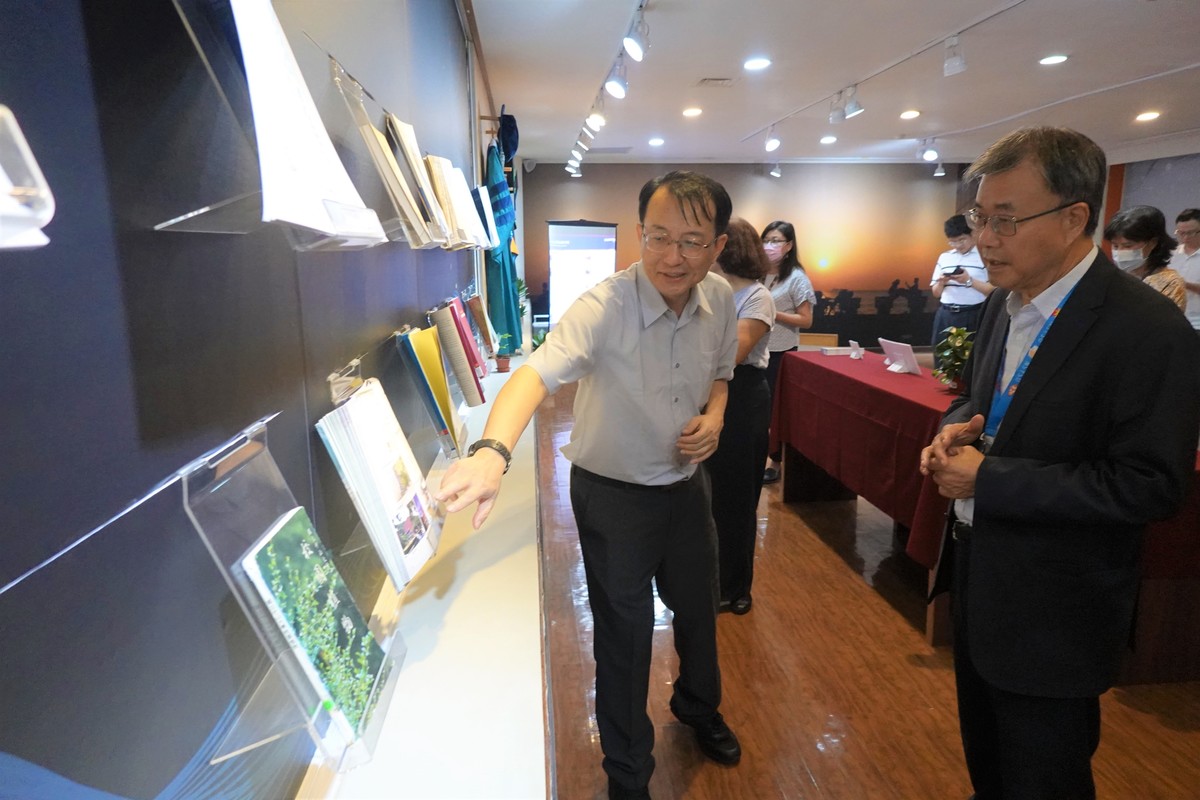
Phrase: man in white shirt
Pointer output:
(960, 281)
(652, 348)
(1186, 260)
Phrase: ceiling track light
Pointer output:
(595, 119)
(772, 143)
(940, 172)
(926, 151)
(582, 145)
(954, 62)
(852, 108)
(586, 130)
(637, 41)
(776, 172)
(616, 84)
(837, 111)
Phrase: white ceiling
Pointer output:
(547, 59)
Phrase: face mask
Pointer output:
(1128, 259)
(774, 252)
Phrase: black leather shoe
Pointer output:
(716, 740)
(770, 475)
(741, 605)
(618, 792)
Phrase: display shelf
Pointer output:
(237, 500)
(472, 690)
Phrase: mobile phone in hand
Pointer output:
(952, 270)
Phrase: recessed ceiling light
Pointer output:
(657, 141)
(1146, 116)
(1052, 60)
(756, 63)
(912, 113)
(828, 139)
(572, 162)
(693, 111)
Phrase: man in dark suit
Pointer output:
(1078, 427)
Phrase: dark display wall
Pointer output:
(128, 352)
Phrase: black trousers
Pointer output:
(772, 378)
(1019, 747)
(736, 469)
(630, 535)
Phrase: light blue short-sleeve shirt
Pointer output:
(643, 372)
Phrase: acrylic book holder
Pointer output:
(233, 496)
(219, 51)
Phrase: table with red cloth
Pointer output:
(850, 427)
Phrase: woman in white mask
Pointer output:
(1142, 247)
(794, 300)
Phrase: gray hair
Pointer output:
(1072, 165)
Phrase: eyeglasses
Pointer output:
(1004, 224)
(774, 242)
(1186, 234)
(688, 248)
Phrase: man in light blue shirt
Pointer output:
(652, 349)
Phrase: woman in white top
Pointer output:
(734, 467)
(794, 300)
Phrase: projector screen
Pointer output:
(582, 253)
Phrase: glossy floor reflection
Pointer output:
(828, 680)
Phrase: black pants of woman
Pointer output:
(736, 472)
(772, 377)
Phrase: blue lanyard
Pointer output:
(1002, 399)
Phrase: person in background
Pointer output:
(960, 281)
(1142, 247)
(652, 348)
(735, 468)
(794, 298)
(1077, 428)
(1186, 261)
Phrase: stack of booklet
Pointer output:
(384, 480)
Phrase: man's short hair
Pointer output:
(1072, 165)
(956, 226)
(694, 193)
(1188, 215)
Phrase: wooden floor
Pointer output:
(828, 681)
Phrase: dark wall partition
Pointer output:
(127, 352)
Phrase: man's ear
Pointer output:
(1077, 216)
(719, 245)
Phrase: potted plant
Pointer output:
(951, 354)
(503, 352)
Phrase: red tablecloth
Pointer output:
(866, 427)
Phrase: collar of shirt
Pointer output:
(1048, 300)
(653, 305)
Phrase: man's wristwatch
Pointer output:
(493, 444)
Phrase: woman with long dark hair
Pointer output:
(794, 299)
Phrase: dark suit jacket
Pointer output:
(1100, 439)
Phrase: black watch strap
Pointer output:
(493, 444)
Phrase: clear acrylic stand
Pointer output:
(232, 496)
